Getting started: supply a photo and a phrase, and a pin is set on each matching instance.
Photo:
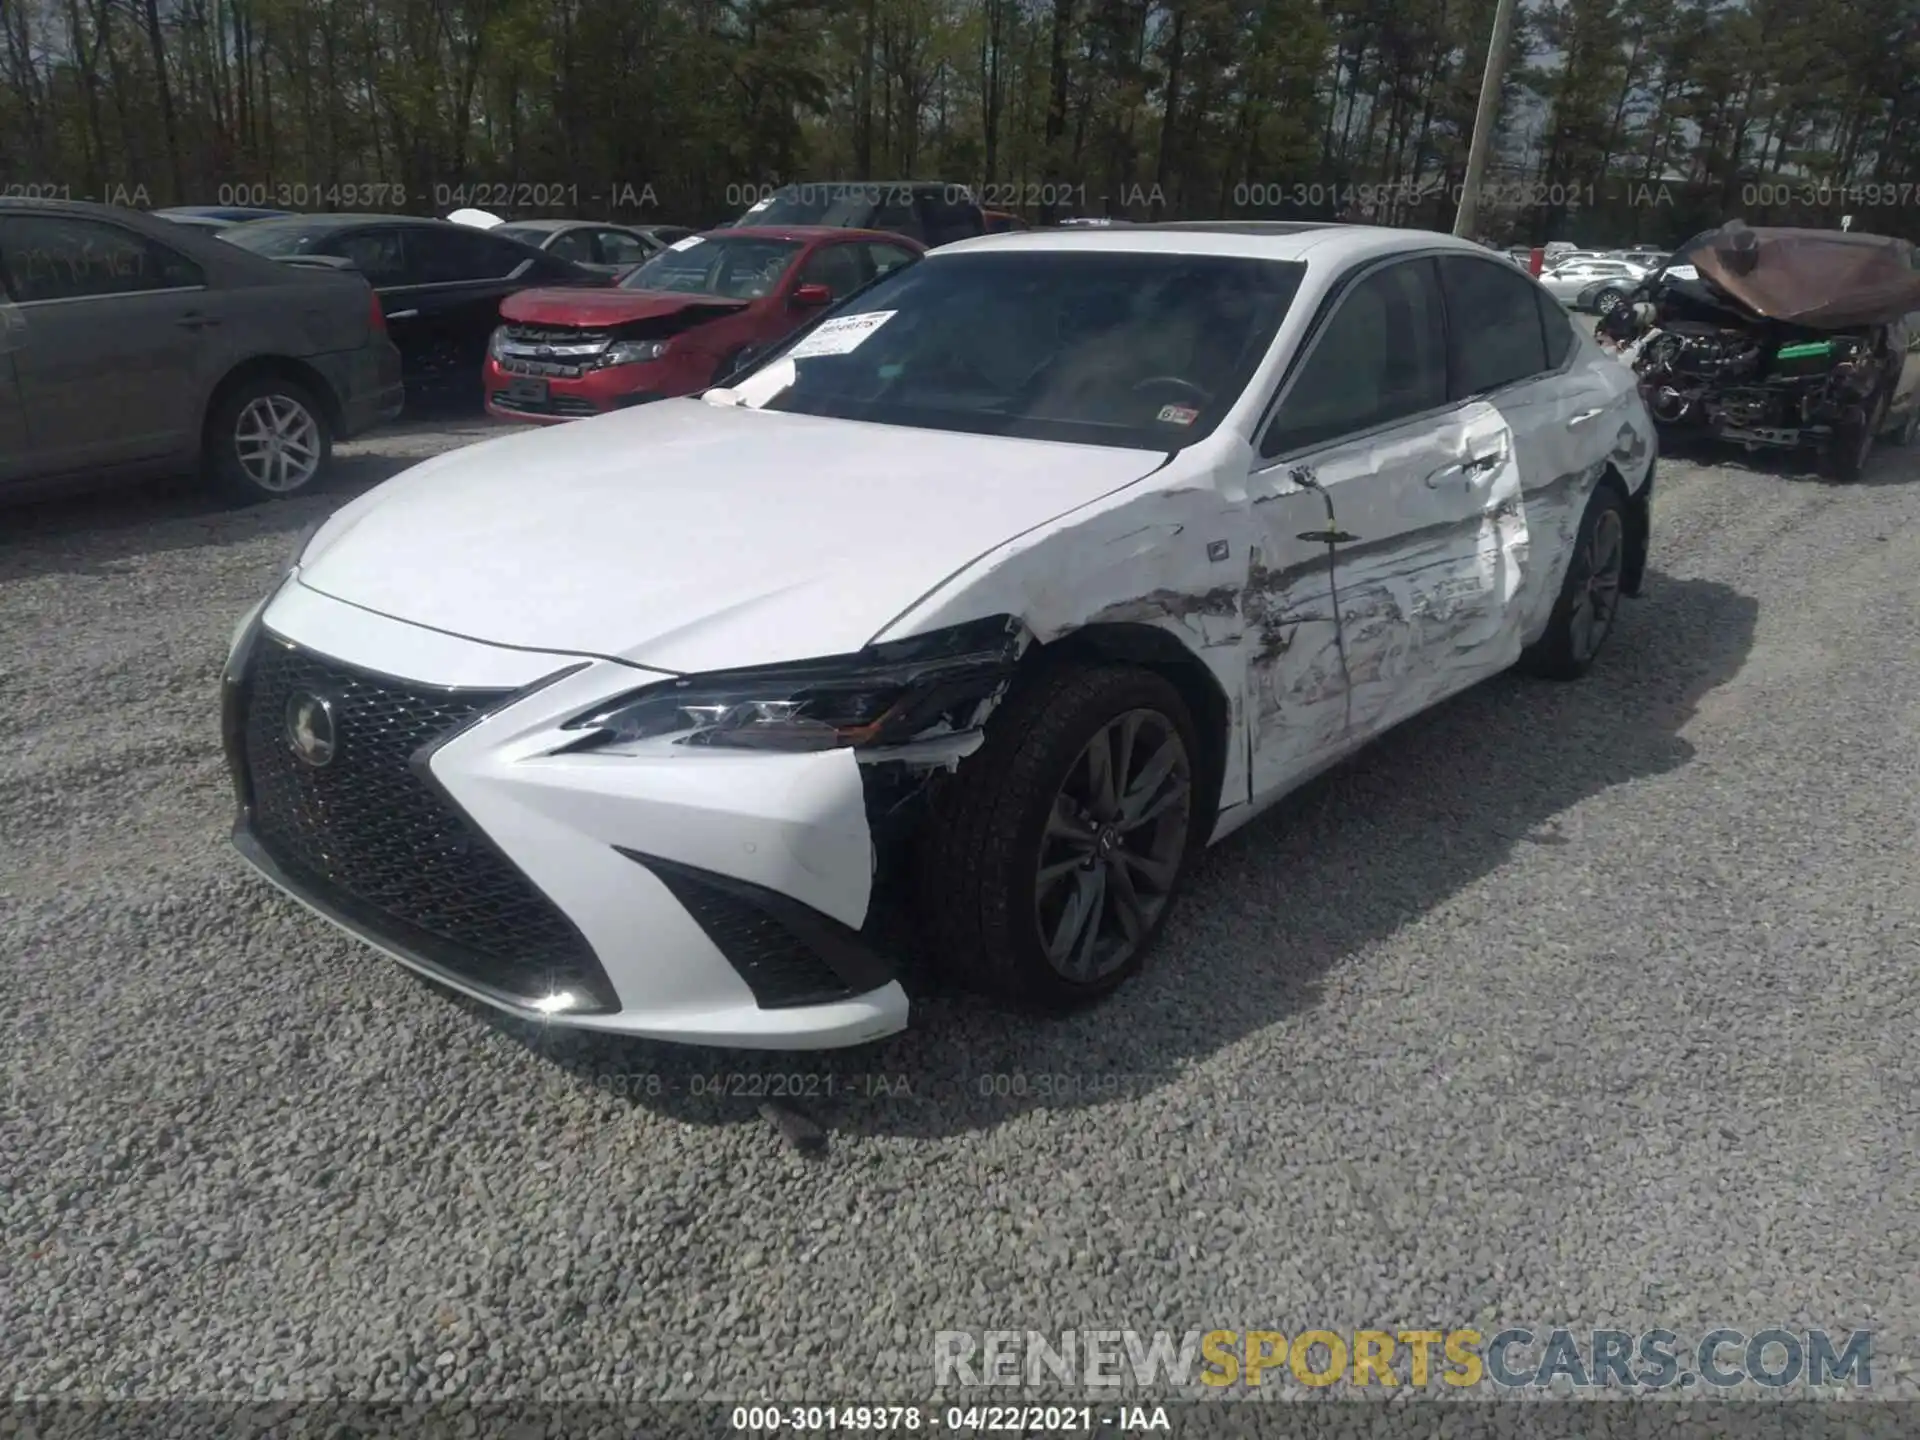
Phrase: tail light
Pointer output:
(376, 317)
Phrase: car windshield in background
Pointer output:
(1146, 351)
(849, 207)
(263, 237)
(742, 269)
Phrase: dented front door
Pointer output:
(1407, 505)
(1420, 560)
(1428, 560)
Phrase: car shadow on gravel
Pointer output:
(1888, 464)
(1367, 849)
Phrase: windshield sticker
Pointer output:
(841, 335)
(759, 205)
(1178, 414)
(686, 244)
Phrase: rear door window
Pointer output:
(573, 245)
(835, 266)
(885, 259)
(380, 255)
(62, 257)
(1494, 333)
(617, 247)
(457, 255)
(1557, 326)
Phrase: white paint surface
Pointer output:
(689, 536)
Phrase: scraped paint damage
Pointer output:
(1421, 614)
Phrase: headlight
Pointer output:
(632, 352)
(497, 343)
(882, 696)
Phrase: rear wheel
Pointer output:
(1604, 302)
(1589, 600)
(1055, 854)
(267, 439)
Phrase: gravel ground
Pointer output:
(1586, 1005)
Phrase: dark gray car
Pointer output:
(131, 346)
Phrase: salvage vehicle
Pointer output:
(440, 284)
(677, 323)
(1781, 339)
(988, 601)
(133, 347)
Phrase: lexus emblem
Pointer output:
(310, 728)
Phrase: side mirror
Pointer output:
(811, 296)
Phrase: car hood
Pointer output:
(684, 536)
(607, 307)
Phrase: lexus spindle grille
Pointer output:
(367, 837)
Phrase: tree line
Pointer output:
(1621, 120)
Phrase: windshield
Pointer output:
(1147, 351)
(734, 269)
(263, 237)
(849, 207)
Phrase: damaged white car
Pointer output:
(987, 600)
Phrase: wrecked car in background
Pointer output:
(1781, 338)
(989, 601)
(678, 323)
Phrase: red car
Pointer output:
(678, 323)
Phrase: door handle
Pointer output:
(1467, 470)
(1585, 415)
(404, 315)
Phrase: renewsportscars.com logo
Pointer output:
(1512, 1359)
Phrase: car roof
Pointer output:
(1325, 242)
(552, 226)
(802, 233)
(352, 221)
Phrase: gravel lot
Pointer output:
(1588, 1005)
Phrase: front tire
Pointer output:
(1054, 855)
(1604, 302)
(267, 439)
(1589, 600)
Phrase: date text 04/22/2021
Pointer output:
(1026, 1420)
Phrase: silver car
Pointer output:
(1567, 279)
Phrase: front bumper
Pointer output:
(577, 397)
(711, 898)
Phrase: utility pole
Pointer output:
(1467, 214)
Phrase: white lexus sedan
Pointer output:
(988, 599)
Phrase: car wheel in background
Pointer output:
(1604, 302)
(267, 439)
(1054, 855)
(1589, 599)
